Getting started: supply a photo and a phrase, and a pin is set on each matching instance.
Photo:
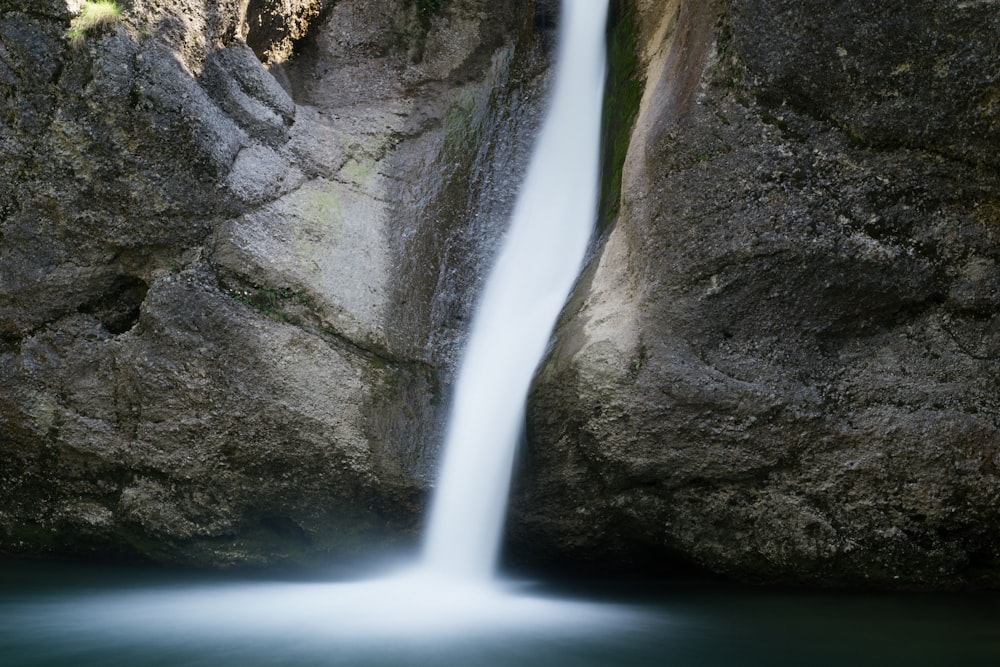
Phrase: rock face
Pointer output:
(239, 241)
(230, 295)
(783, 362)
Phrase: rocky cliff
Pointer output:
(783, 362)
(238, 241)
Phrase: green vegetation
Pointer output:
(271, 302)
(322, 204)
(638, 362)
(622, 96)
(94, 15)
(463, 126)
(358, 171)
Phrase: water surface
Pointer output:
(64, 614)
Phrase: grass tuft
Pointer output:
(94, 15)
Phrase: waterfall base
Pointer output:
(58, 614)
(412, 606)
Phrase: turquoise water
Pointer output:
(61, 614)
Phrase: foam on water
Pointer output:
(414, 606)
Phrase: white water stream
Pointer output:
(452, 593)
(452, 610)
(539, 261)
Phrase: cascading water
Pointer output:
(429, 615)
(538, 263)
(451, 593)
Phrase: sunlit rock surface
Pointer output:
(783, 362)
(239, 243)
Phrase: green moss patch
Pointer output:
(272, 302)
(622, 95)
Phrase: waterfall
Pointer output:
(539, 260)
(451, 602)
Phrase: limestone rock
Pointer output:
(230, 293)
(782, 363)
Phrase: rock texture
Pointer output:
(230, 295)
(239, 240)
(783, 362)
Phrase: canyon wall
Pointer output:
(782, 363)
(240, 240)
(239, 243)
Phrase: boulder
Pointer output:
(781, 364)
(235, 267)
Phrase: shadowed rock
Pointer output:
(781, 364)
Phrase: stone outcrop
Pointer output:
(783, 362)
(230, 294)
(239, 242)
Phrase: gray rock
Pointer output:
(781, 365)
(918, 74)
(216, 308)
(248, 94)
